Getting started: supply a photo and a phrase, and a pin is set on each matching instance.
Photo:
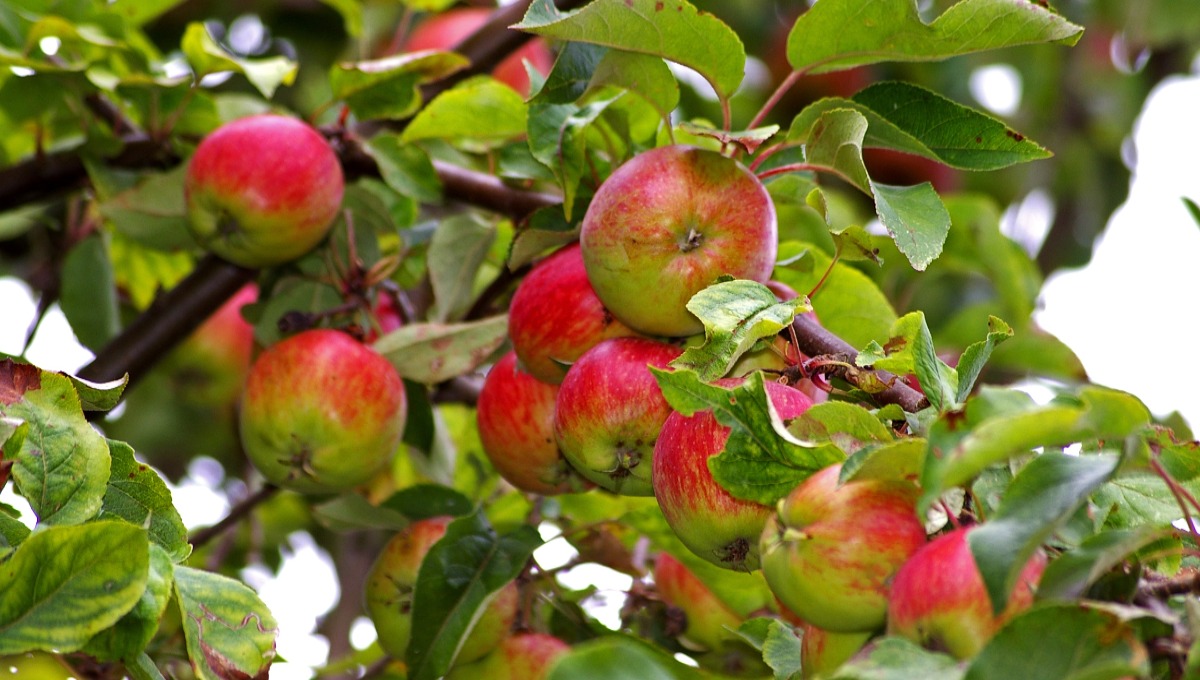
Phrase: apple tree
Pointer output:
(713, 295)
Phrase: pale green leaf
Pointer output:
(433, 352)
(405, 168)
(482, 109)
(228, 630)
(205, 57)
(458, 248)
(127, 638)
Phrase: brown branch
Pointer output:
(236, 513)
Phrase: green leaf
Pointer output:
(388, 87)
(736, 314)
(781, 650)
(1062, 642)
(973, 358)
(672, 29)
(547, 228)
(462, 570)
(916, 219)
(99, 396)
(1043, 495)
(1070, 574)
(63, 465)
(421, 501)
(205, 56)
(89, 293)
(912, 119)
(761, 461)
(899, 459)
(894, 658)
(139, 496)
(459, 247)
(645, 75)
(847, 426)
(1192, 208)
(127, 638)
(847, 33)
(482, 110)
(618, 657)
(142, 668)
(228, 630)
(557, 140)
(1134, 500)
(433, 352)
(835, 143)
(151, 211)
(405, 167)
(910, 350)
(143, 272)
(65, 584)
(351, 12)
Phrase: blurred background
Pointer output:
(1098, 272)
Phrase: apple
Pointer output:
(939, 600)
(210, 366)
(321, 412)
(262, 190)
(665, 225)
(830, 551)
(609, 411)
(555, 316)
(524, 656)
(707, 617)
(445, 30)
(515, 414)
(389, 594)
(713, 524)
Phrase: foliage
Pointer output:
(456, 183)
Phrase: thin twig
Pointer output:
(236, 513)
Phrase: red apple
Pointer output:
(389, 594)
(515, 413)
(665, 225)
(939, 600)
(822, 652)
(445, 30)
(525, 656)
(609, 411)
(713, 524)
(262, 190)
(211, 365)
(707, 616)
(555, 316)
(829, 552)
(321, 412)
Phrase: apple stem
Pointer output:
(777, 95)
(790, 167)
(767, 153)
(1182, 496)
(950, 516)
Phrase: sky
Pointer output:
(1132, 315)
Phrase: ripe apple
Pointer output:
(262, 190)
(609, 411)
(822, 652)
(515, 413)
(321, 412)
(829, 552)
(707, 617)
(389, 594)
(555, 316)
(938, 598)
(210, 366)
(445, 30)
(665, 225)
(525, 656)
(713, 524)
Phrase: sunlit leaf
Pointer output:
(229, 632)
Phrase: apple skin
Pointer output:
(321, 412)
(445, 30)
(211, 365)
(939, 600)
(524, 656)
(829, 552)
(262, 190)
(555, 316)
(665, 225)
(822, 652)
(389, 594)
(713, 524)
(609, 411)
(515, 414)
(707, 616)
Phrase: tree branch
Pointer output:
(236, 513)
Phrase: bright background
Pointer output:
(1132, 315)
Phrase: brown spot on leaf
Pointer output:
(1014, 135)
(17, 379)
(658, 7)
(978, 139)
(895, 344)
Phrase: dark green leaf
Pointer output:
(152, 211)
(351, 511)
(460, 573)
(405, 168)
(910, 350)
(1062, 642)
(546, 228)
(645, 75)
(89, 293)
(1044, 494)
(387, 88)
(761, 461)
(64, 584)
(99, 396)
(459, 246)
(916, 219)
(846, 33)
(973, 358)
(127, 638)
(138, 495)
(671, 29)
(433, 352)
(736, 314)
(228, 630)
(421, 501)
(893, 658)
(1193, 209)
(617, 657)
(1070, 574)
(557, 140)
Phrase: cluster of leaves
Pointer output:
(1089, 475)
